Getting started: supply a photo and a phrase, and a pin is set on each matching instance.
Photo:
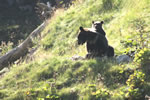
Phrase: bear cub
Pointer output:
(97, 26)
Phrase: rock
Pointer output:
(27, 8)
(123, 58)
(76, 57)
(10, 2)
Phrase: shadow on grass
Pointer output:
(70, 96)
(103, 71)
(95, 69)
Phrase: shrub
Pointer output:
(100, 94)
(135, 83)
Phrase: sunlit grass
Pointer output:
(52, 62)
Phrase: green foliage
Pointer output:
(139, 39)
(48, 42)
(124, 73)
(142, 35)
(49, 93)
(143, 56)
(101, 94)
(3, 93)
(108, 4)
(136, 79)
(135, 83)
(111, 4)
(92, 79)
(5, 47)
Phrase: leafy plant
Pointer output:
(124, 73)
(100, 94)
(135, 83)
(138, 40)
(48, 92)
(5, 47)
(143, 56)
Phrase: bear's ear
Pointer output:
(81, 28)
(102, 22)
(93, 22)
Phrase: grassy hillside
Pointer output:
(52, 75)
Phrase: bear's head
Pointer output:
(97, 25)
(81, 36)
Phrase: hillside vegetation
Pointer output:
(52, 75)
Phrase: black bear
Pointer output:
(97, 44)
(97, 26)
(110, 52)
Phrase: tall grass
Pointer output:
(53, 74)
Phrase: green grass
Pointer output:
(53, 73)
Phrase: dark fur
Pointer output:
(97, 25)
(97, 44)
(110, 52)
